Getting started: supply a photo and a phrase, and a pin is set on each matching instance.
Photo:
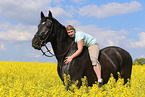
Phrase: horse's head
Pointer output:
(45, 32)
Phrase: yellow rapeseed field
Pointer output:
(25, 79)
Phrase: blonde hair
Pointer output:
(70, 27)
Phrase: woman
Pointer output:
(84, 39)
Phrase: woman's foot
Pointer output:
(100, 84)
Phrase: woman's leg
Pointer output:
(94, 53)
(97, 70)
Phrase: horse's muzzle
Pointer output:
(36, 44)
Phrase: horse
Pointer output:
(113, 59)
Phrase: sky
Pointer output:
(112, 22)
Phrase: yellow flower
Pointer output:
(41, 79)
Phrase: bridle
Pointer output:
(44, 42)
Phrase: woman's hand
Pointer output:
(68, 59)
(80, 48)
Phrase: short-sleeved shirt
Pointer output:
(88, 40)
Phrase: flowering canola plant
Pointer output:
(27, 79)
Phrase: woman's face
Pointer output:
(71, 33)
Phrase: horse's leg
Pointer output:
(73, 81)
(126, 74)
(125, 71)
(78, 82)
(115, 75)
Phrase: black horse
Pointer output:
(113, 59)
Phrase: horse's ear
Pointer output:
(50, 14)
(42, 15)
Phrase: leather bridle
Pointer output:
(44, 42)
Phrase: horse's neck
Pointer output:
(61, 47)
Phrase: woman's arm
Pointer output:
(78, 52)
(80, 48)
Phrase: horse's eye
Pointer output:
(43, 23)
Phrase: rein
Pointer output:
(44, 53)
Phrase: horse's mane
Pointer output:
(60, 29)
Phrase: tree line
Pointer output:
(140, 61)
